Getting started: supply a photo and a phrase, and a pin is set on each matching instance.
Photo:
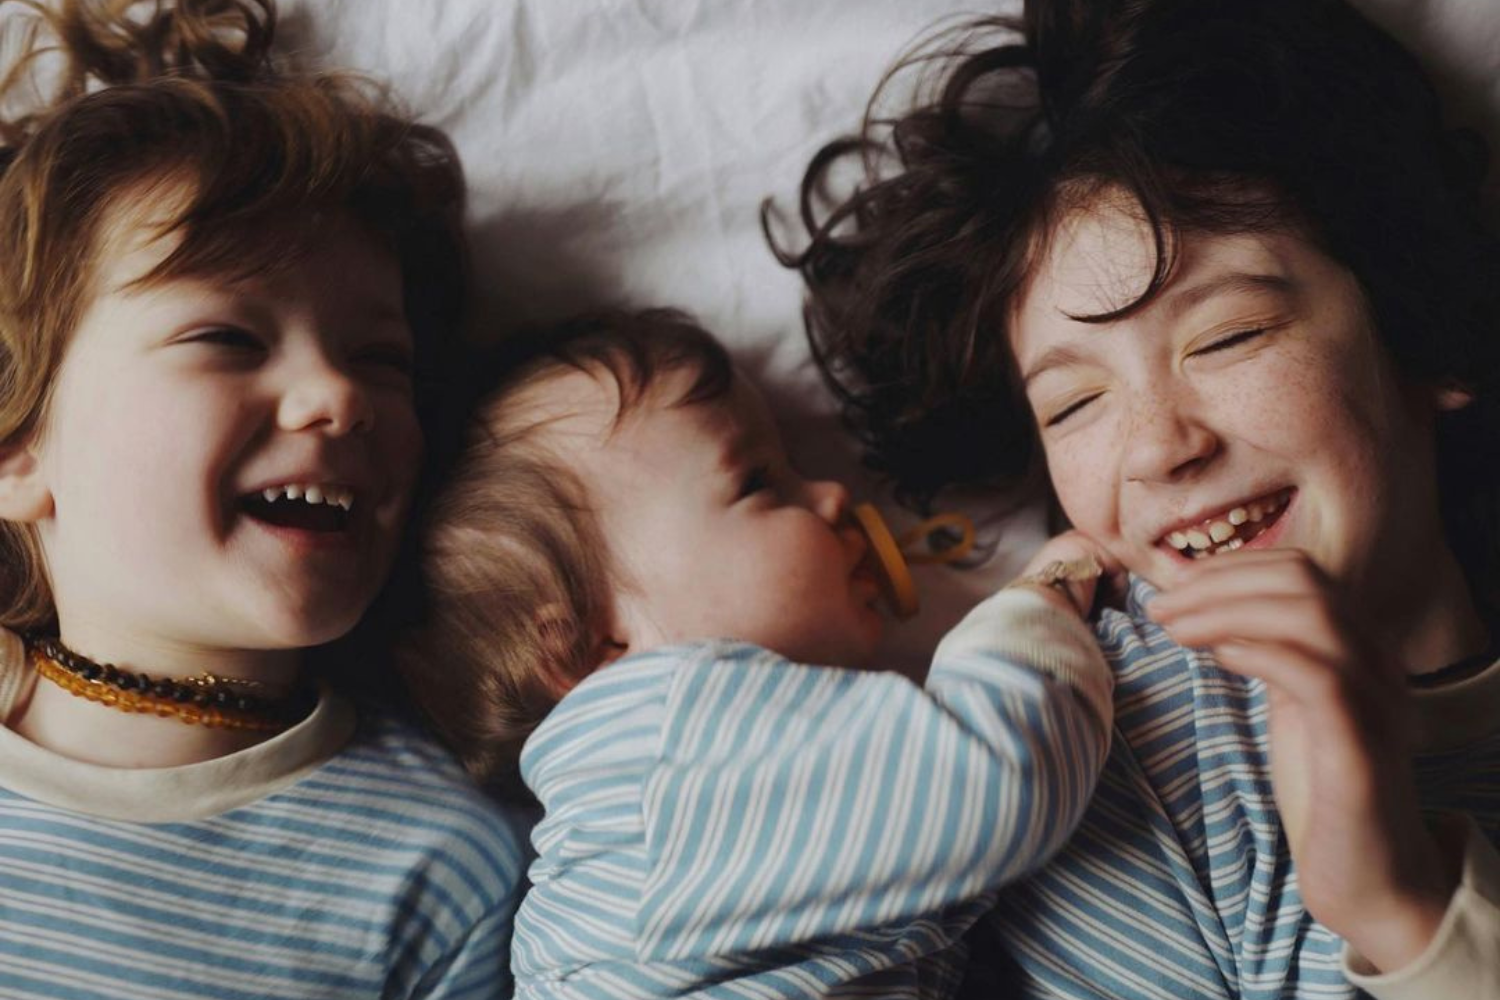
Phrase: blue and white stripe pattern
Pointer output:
(379, 874)
(1178, 884)
(723, 822)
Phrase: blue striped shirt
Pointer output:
(1178, 884)
(376, 872)
(724, 822)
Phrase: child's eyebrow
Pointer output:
(1176, 302)
(1060, 356)
(1179, 300)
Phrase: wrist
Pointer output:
(1392, 936)
(1067, 584)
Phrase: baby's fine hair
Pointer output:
(1216, 116)
(179, 106)
(514, 574)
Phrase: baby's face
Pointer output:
(712, 533)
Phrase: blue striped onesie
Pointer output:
(336, 860)
(1178, 884)
(723, 822)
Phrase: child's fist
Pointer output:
(1071, 568)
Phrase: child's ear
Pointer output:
(24, 496)
(555, 629)
(1450, 396)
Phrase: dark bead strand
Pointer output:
(218, 694)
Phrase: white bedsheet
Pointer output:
(618, 152)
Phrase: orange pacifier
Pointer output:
(892, 556)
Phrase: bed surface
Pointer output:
(618, 152)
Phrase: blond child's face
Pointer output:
(228, 464)
(712, 532)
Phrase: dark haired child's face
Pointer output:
(1248, 405)
(228, 464)
(712, 532)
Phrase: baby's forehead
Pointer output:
(582, 414)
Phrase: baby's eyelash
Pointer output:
(755, 480)
(396, 358)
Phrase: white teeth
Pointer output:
(313, 493)
(1223, 535)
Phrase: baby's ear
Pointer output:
(24, 496)
(556, 629)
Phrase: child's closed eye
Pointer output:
(1234, 339)
(756, 480)
(229, 338)
(394, 358)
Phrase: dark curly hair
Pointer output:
(1217, 116)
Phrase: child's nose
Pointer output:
(1166, 439)
(324, 397)
(830, 499)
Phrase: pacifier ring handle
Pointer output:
(893, 555)
(900, 589)
(940, 554)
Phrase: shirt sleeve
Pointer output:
(478, 966)
(1463, 959)
(793, 803)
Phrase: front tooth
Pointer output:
(1177, 540)
(1238, 516)
(345, 499)
(294, 492)
(1198, 540)
(1220, 532)
(271, 493)
(313, 494)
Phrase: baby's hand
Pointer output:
(1070, 568)
(1339, 721)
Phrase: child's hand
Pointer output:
(1368, 867)
(1079, 565)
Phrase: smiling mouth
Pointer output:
(321, 509)
(1230, 530)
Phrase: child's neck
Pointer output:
(83, 730)
(1438, 626)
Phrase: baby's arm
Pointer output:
(792, 804)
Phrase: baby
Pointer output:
(742, 803)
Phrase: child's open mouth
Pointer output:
(305, 507)
(1233, 529)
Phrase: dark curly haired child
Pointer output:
(1217, 268)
